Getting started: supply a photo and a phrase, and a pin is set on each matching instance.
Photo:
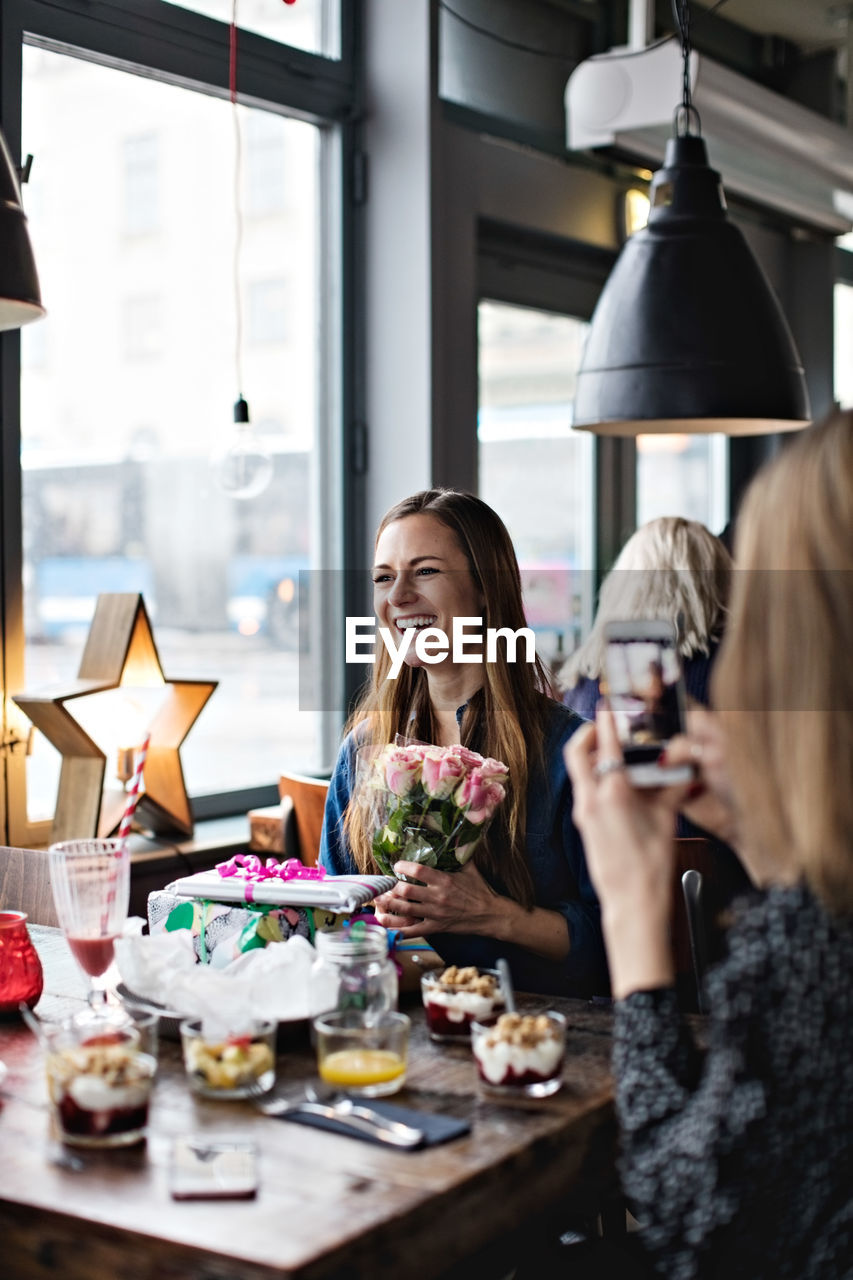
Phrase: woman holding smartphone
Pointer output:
(739, 1162)
(526, 894)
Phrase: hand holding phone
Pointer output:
(645, 687)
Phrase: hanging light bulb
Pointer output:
(242, 465)
(688, 335)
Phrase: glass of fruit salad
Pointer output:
(232, 1064)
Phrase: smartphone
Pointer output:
(201, 1169)
(645, 686)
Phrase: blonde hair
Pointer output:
(784, 678)
(506, 719)
(672, 569)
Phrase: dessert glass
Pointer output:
(229, 1065)
(363, 1053)
(99, 1083)
(520, 1055)
(454, 998)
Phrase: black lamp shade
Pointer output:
(688, 335)
(20, 297)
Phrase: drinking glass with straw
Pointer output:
(90, 880)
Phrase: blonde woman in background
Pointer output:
(671, 569)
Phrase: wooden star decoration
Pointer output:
(120, 653)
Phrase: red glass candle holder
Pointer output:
(21, 977)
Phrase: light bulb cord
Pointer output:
(238, 211)
(686, 115)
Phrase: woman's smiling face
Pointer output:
(421, 578)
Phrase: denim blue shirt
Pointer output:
(557, 866)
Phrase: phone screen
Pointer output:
(645, 689)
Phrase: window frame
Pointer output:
(190, 50)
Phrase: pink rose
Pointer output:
(478, 797)
(494, 771)
(471, 759)
(442, 771)
(402, 769)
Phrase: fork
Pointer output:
(351, 1114)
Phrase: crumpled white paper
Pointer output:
(274, 983)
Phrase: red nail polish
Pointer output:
(662, 758)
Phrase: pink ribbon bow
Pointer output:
(249, 868)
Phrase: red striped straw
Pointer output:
(133, 790)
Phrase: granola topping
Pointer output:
(520, 1050)
(100, 1076)
(527, 1031)
(469, 979)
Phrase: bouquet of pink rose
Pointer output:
(427, 804)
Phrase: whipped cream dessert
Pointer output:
(101, 1089)
(521, 1052)
(457, 997)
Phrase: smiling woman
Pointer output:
(444, 558)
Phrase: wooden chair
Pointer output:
(308, 798)
(25, 884)
(699, 910)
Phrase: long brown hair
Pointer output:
(784, 678)
(506, 718)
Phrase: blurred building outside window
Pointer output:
(535, 471)
(141, 184)
(127, 386)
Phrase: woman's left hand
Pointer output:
(627, 831)
(628, 837)
(459, 903)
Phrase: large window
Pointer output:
(533, 468)
(308, 24)
(127, 391)
(683, 475)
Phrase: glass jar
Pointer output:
(21, 977)
(353, 970)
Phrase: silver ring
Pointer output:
(697, 751)
(611, 765)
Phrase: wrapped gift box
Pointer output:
(241, 906)
(245, 879)
(222, 931)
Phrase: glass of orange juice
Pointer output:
(362, 1052)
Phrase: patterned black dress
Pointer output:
(739, 1162)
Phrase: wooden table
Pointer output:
(327, 1205)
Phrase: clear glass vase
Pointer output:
(21, 977)
(353, 970)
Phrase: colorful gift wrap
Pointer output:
(222, 931)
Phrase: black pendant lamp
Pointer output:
(688, 335)
(20, 298)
